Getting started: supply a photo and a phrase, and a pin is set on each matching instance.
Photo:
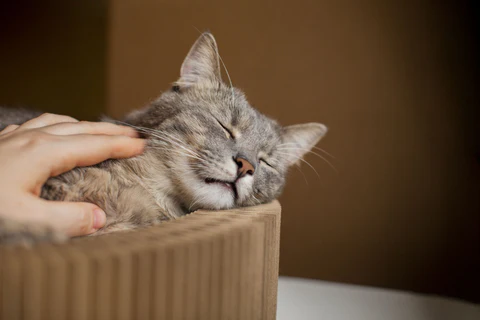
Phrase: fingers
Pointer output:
(86, 149)
(84, 127)
(65, 125)
(46, 119)
(71, 218)
(9, 128)
(75, 218)
(44, 154)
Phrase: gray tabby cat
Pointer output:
(207, 149)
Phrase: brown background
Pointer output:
(53, 55)
(394, 82)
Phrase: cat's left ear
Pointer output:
(300, 139)
(202, 63)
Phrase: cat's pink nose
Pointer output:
(244, 167)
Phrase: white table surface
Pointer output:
(305, 299)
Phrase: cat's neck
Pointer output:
(151, 174)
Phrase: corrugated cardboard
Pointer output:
(206, 265)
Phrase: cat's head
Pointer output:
(220, 152)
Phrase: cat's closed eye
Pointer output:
(228, 133)
(266, 162)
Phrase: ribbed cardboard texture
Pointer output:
(206, 265)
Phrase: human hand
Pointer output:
(45, 147)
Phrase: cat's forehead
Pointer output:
(230, 105)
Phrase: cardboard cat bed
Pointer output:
(206, 265)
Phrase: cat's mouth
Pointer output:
(225, 184)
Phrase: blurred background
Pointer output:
(395, 81)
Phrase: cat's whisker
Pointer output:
(303, 160)
(303, 174)
(312, 152)
(229, 79)
(160, 134)
(324, 151)
(182, 154)
(196, 200)
(175, 138)
(157, 134)
(191, 206)
(186, 149)
(166, 139)
(177, 152)
(317, 148)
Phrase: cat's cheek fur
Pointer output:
(203, 195)
(211, 196)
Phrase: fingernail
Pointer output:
(134, 133)
(142, 145)
(99, 218)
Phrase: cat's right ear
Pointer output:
(201, 64)
(299, 139)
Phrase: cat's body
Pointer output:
(207, 149)
(16, 116)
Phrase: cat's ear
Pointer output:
(202, 63)
(300, 139)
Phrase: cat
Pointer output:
(207, 148)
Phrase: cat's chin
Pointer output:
(229, 186)
(212, 195)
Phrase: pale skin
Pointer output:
(50, 145)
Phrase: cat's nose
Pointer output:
(244, 167)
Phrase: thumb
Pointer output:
(75, 218)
